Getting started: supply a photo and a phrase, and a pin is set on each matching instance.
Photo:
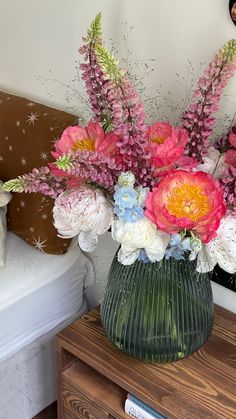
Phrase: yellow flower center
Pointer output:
(158, 140)
(188, 201)
(83, 144)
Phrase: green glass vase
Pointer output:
(157, 312)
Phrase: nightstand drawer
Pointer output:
(88, 394)
(75, 403)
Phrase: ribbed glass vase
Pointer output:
(157, 312)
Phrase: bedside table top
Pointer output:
(202, 385)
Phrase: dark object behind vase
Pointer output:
(157, 312)
(224, 278)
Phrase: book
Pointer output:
(139, 410)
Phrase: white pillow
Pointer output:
(5, 197)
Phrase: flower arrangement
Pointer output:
(164, 191)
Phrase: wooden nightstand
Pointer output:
(94, 376)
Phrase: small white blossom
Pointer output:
(214, 163)
(126, 179)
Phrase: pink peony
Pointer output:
(232, 139)
(166, 143)
(231, 157)
(78, 138)
(108, 146)
(183, 200)
(91, 138)
(84, 212)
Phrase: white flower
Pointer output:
(141, 195)
(214, 163)
(140, 235)
(126, 179)
(221, 250)
(84, 212)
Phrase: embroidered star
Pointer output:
(32, 118)
(10, 148)
(31, 229)
(51, 129)
(44, 216)
(54, 140)
(23, 131)
(23, 161)
(43, 155)
(22, 204)
(30, 104)
(17, 123)
(39, 244)
(6, 138)
(1, 158)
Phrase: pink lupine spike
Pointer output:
(206, 100)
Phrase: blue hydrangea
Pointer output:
(143, 256)
(179, 244)
(125, 198)
(175, 240)
(186, 244)
(175, 252)
(130, 215)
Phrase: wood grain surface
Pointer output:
(202, 385)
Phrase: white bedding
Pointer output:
(38, 291)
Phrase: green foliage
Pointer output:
(15, 185)
(229, 50)
(64, 162)
(108, 63)
(94, 34)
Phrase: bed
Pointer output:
(39, 295)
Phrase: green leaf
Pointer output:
(15, 185)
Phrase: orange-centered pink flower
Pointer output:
(90, 138)
(166, 143)
(183, 200)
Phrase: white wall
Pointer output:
(39, 36)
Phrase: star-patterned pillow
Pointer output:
(27, 133)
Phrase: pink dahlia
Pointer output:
(183, 200)
(167, 144)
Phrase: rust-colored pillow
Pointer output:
(27, 133)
